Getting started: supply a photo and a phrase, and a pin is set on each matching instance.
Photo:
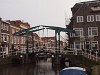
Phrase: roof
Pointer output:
(94, 5)
(76, 68)
(26, 24)
(90, 3)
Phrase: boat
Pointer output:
(73, 71)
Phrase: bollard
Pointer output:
(93, 57)
(75, 51)
(16, 53)
(21, 56)
(3, 54)
(82, 53)
(90, 54)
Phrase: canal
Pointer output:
(42, 67)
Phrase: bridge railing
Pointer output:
(72, 51)
(93, 56)
(49, 49)
(2, 54)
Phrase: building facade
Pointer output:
(11, 44)
(49, 42)
(86, 23)
(18, 43)
(4, 36)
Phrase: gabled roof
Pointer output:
(18, 23)
(27, 24)
(90, 4)
(84, 5)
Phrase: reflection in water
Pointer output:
(41, 68)
(96, 70)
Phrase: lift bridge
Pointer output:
(30, 32)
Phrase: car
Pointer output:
(73, 71)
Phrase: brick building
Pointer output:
(4, 36)
(18, 43)
(10, 43)
(86, 22)
(50, 42)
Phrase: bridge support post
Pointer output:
(32, 34)
(26, 49)
(57, 59)
(55, 41)
(59, 41)
(57, 48)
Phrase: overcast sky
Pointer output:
(36, 12)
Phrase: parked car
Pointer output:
(73, 71)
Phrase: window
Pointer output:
(7, 28)
(78, 45)
(18, 40)
(97, 17)
(79, 19)
(87, 45)
(92, 31)
(79, 32)
(24, 40)
(71, 45)
(90, 18)
(15, 40)
(4, 38)
(95, 44)
(8, 38)
(2, 26)
(13, 30)
(21, 40)
(11, 38)
(71, 34)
